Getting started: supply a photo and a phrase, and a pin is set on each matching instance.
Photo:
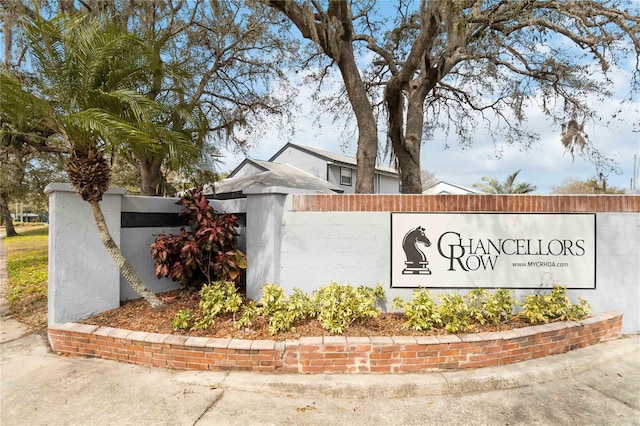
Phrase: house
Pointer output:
(338, 170)
(445, 188)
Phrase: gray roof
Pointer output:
(264, 165)
(278, 175)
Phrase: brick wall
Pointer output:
(334, 354)
(469, 203)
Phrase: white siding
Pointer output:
(247, 170)
(389, 185)
(307, 162)
(334, 178)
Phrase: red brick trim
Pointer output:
(334, 354)
(468, 203)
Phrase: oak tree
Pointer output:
(456, 64)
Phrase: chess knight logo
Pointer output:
(416, 263)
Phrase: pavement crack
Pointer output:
(614, 397)
(216, 399)
(210, 406)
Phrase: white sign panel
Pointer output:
(471, 250)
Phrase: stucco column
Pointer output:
(83, 279)
(265, 207)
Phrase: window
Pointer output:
(345, 176)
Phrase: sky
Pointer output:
(545, 165)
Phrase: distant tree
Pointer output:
(24, 173)
(125, 173)
(456, 64)
(589, 186)
(428, 179)
(493, 186)
(6, 215)
(29, 160)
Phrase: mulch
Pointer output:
(138, 315)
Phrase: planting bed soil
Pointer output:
(138, 315)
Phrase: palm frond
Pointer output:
(96, 127)
(491, 186)
(24, 110)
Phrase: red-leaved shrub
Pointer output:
(203, 254)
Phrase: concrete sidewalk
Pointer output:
(595, 385)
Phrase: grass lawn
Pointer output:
(27, 256)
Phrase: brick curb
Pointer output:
(334, 354)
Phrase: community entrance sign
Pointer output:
(501, 250)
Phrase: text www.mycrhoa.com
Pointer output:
(540, 264)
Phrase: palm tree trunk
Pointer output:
(121, 262)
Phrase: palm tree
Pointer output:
(83, 97)
(493, 186)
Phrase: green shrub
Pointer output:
(499, 307)
(421, 311)
(273, 299)
(338, 306)
(284, 312)
(215, 298)
(555, 306)
(249, 313)
(182, 319)
(492, 308)
(454, 313)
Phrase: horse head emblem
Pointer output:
(416, 260)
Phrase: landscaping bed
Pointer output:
(140, 316)
(202, 337)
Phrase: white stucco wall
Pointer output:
(264, 213)
(617, 268)
(82, 278)
(354, 248)
(305, 250)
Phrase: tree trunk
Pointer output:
(367, 151)
(410, 152)
(121, 262)
(151, 176)
(406, 139)
(6, 215)
(336, 40)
